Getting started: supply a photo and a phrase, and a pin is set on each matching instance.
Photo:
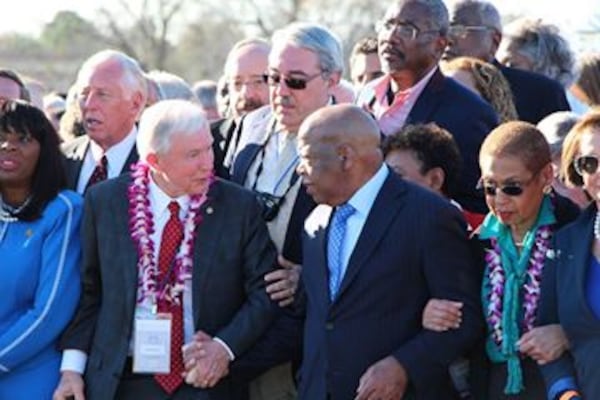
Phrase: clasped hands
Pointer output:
(205, 360)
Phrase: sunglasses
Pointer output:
(586, 164)
(512, 189)
(273, 79)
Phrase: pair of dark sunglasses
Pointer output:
(510, 189)
(586, 164)
(273, 79)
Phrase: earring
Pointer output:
(547, 189)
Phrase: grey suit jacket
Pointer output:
(74, 154)
(232, 253)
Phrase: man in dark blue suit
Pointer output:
(412, 38)
(375, 250)
(476, 31)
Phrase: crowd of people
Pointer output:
(428, 230)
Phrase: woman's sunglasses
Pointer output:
(587, 164)
(510, 189)
(273, 79)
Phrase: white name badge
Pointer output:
(152, 345)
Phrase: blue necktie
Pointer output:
(337, 234)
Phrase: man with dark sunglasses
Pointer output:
(412, 38)
(476, 31)
(304, 66)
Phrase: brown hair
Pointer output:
(521, 140)
(589, 123)
(489, 82)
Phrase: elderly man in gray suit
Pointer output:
(171, 255)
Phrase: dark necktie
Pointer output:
(169, 244)
(100, 173)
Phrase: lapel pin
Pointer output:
(28, 233)
(209, 210)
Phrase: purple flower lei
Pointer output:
(531, 288)
(141, 227)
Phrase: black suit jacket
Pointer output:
(563, 300)
(535, 95)
(74, 154)
(466, 116)
(413, 247)
(223, 133)
(232, 253)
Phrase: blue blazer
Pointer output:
(535, 95)
(413, 247)
(466, 116)
(563, 300)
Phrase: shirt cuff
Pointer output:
(561, 385)
(227, 349)
(73, 360)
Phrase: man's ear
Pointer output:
(152, 160)
(435, 179)
(333, 79)
(496, 39)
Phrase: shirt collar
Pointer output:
(160, 200)
(381, 86)
(118, 153)
(362, 200)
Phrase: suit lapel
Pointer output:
(317, 226)
(132, 158)
(579, 258)
(428, 100)
(208, 234)
(387, 204)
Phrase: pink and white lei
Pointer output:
(141, 227)
(531, 288)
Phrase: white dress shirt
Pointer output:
(362, 201)
(116, 156)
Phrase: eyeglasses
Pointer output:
(273, 79)
(587, 164)
(406, 31)
(461, 31)
(512, 189)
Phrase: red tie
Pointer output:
(169, 244)
(99, 174)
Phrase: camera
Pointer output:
(270, 205)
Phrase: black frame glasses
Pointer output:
(512, 189)
(586, 164)
(274, 78)
(404, 30)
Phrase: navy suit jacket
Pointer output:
(74, 154)
(413, 247)
(466, 116)
(563, 300)
(535, 95)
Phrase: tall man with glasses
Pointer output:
(476, 31)
(305, 64)
(412, 38)
(244, 71)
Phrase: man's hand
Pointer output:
(384, 380)
(206, 361)
(283, 283)
(441, 315)
(544, 343)
(70, 385)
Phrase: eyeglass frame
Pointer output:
(578, 168)
(468, 28)
(392, 25)
(515, 189)
(290, 82)
(253, 82)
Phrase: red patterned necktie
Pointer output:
(169, 244)
(100, 173)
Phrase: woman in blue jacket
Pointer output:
(39, 252)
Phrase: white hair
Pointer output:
(165, 119)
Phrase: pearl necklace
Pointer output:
(597, 226)
(7, 212)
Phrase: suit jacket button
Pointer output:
(329, 326)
